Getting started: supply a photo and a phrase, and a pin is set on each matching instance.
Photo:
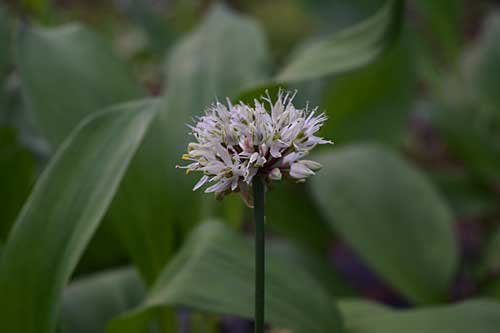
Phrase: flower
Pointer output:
(234, 143)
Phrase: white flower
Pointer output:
(236, 142)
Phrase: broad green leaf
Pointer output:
(348, 49)
(68, 72)
(318, 266)
(81, 76)
(481, 316)
(392, 216)
(62, 213)
(89, 303)
(373, 103)
(16, 176)
(144, 222)
(214, 272)
(290, 211)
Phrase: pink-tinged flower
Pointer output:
(236, 142)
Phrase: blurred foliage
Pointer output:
(49, 60)
(410, 88)
(17, 165)
(92, 301)
(392, 217)
(61, 215)
(193, 279)
(5, 58)
(381, 94)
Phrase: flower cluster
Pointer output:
(234, 143)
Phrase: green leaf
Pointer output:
(482, 66)
(354, 309)
(153, 21)
(318, 266)
(469, 121)
(68, 72)
(491, 259)
(4, 43)
(290, 212)
(81, 76)
(481, 316)
(62, 213)
(492, 289)
(392, 216)
(214, 272)
(442, 28)
(348, 49)
(40, 9)
(466, 196)
(373, 102)
(17, 169)
(144, 223)
(89, 303)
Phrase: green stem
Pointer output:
(258, 195)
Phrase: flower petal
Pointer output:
(201, 182)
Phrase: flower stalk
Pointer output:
(260, 254)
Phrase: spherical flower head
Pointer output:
(234, 143)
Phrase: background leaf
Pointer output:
(491, 259)
(143, 223)
(382, 90)
(63, 212)
(68, 72)
(16, 176)
(349, 49)
(468, 117)
(482, 316)
(392, 216)
(483, 65)
(196, 278)
(291, 213)
(319, 267)
(90, 302)
(442, 27)
(5, 58)
(80, 76)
